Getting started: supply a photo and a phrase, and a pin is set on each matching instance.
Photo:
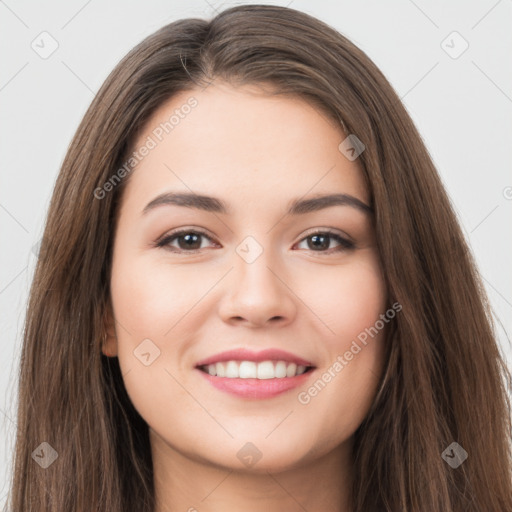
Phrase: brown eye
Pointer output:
(188, 241)
(321, 240)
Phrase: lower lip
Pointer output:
(256, 388)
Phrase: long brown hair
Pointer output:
(445, 379)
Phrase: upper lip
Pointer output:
(242, 354)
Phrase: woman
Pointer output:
(253, 294)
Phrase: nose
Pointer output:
(258, 294)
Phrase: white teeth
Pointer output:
(231, 370)
(220, 370)
(247, 370)
(252, 370)
(280, 369)
(291, 370)
(266, 370)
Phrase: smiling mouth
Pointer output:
(255, 370)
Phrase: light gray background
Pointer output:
(461, 106)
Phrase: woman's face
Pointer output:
(246, 275)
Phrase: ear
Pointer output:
(109, 343)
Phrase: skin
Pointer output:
(257, 153)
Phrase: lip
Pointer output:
(256, 388)
(242, 354)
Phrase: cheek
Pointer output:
(150, 298)
(351, 300)
(347, 382)
(361, 302)
(351, 306)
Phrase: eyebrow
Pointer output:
(296, 207)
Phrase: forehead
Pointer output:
(244, 145)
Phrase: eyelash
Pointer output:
(345, 245)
